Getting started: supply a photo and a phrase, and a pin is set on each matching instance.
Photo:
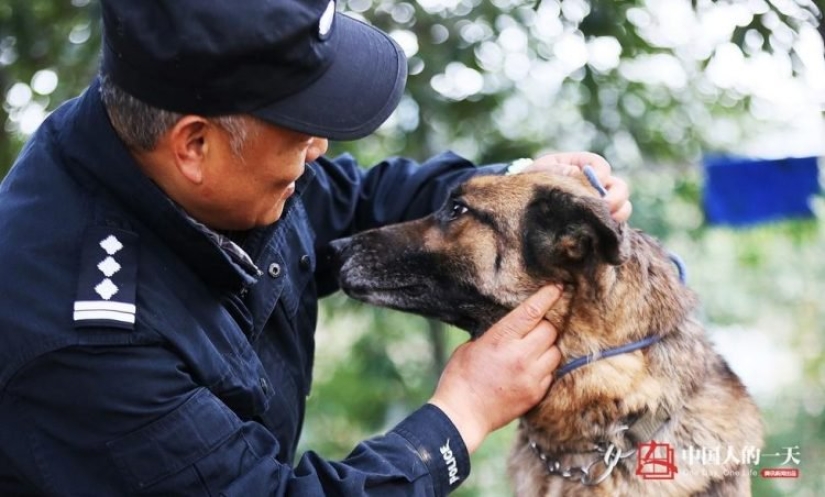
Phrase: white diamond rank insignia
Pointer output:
(107, 280)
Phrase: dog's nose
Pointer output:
(340, 245)
(335, 251)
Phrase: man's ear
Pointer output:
(565, 231)
(190, 146)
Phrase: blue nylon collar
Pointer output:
(603, 354)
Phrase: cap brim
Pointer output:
(355, 95)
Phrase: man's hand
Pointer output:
(498, 377)
(618, 193)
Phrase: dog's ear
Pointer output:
(564, 230)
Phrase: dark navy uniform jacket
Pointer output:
(139, 355)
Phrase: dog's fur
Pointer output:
(496, 241)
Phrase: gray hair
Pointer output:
(141, 125)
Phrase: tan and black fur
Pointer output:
(500, 238)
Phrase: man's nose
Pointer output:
(317, 148)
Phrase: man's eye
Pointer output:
(456, 210)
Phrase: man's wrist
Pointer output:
(439, 444)
(472, 432)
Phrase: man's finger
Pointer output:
(617, 190)
(541, 337)
(526, 316)
(618, 193)
(623, 213)
(552, 357)
(550, 361)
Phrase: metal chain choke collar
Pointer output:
(586, 474)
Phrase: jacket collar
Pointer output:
(92, 146)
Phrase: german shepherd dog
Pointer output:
(648, 408)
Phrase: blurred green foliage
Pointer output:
(501, 79)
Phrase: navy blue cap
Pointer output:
(295, 63)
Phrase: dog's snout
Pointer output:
(340, 245)
(335, 252)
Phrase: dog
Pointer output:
(643, 405)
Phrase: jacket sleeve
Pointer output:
(142, 426)
(344, 198)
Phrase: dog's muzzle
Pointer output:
(336, 252)
(342, 258)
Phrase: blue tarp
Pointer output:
(741, 191)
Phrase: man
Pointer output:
(159, 272)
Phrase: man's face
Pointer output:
(250, 189)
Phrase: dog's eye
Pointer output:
(456, 210)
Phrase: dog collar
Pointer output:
(608, 455)
(603, 354)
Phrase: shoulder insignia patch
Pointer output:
(108, 278)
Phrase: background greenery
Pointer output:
(647, 83)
